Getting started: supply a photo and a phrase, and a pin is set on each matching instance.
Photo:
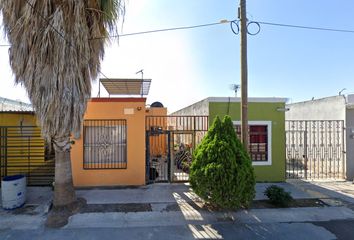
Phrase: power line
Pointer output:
(165, 30)
(305, 27)
(233, 23)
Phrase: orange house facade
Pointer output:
(111, 150)
(125, 142)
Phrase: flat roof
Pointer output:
(126, 86)
(14, 105)
(17, 111)
(251, 99)
(117, 100)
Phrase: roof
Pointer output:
(18, 112)
(8, 105)
(117, 100)
(124, 86)
(251, 99)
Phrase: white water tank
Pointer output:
(13, 191)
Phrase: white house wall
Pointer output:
(331, 108)
(200, 108)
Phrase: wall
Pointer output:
(17, 119)
(158, 143)
(350, 143)
(199, 108)
(115, 108)
(259, 110)
(331, 108)
(156, 111)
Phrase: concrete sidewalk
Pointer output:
(172, 211)
(176, 204)
(170, 193)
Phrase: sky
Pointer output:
(187, 66)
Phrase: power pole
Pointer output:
(244, 100)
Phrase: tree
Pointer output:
(56, 49)
(221, 171)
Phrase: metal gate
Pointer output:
(315, 149)
(22, 151)
(157, 156)
(170, 142)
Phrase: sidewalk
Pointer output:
(176, 204)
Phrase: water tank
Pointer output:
(13, 191)
(156, 105)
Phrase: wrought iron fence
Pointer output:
(22, 151)
(170, 142)
(105, 144)
(315, 149)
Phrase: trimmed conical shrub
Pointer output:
(221, 172)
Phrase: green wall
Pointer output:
(260, 112)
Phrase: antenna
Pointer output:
(235, 88)
(340, 92)
(142, 73)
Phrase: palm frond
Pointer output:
(52, 56)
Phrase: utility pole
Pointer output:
(244, 100)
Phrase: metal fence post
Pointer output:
(305, 149)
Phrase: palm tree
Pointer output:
(56, 49)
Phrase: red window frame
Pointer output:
(258, 141)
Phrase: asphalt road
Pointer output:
(318, 230)
(343, 229)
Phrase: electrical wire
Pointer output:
(258, 28)
(163, 30)
(234, 25)
(306, 27)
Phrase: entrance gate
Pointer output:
(315, 149)
(22, 151)
(170, 142)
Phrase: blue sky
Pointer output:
(189, 65)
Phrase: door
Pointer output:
(157, 156)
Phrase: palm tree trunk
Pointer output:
(64, 192)
(65, 202)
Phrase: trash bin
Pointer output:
(13, 191)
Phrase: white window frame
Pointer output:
(269, 141)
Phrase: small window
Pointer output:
(105, 144)
(259, 145)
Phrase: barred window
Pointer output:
(105, 144)
(259, 145)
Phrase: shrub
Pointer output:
(278, 196)
(221, 172)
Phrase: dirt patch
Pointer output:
(295, 203)
(24, 210)
(256, 204)
(128, 207)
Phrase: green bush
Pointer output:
(221, 172)
(278, 196)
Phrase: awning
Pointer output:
(119, 86)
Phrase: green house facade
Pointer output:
(266, 130)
